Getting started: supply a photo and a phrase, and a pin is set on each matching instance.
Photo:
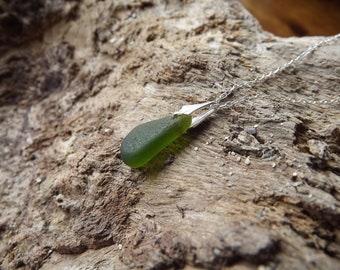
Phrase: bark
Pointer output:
(219, 196)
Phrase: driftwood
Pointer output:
(219, 196)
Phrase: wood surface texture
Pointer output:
(82, 74)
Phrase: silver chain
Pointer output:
(219, 101)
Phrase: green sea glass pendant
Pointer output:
(146, 140)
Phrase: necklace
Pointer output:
(145, 141)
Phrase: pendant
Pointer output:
(145, 141)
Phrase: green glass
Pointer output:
(146, 140)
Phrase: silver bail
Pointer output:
(189, 109)
(200, 118)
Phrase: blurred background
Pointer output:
(297, 17)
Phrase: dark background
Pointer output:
(297, 17)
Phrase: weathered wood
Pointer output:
(218, 196)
